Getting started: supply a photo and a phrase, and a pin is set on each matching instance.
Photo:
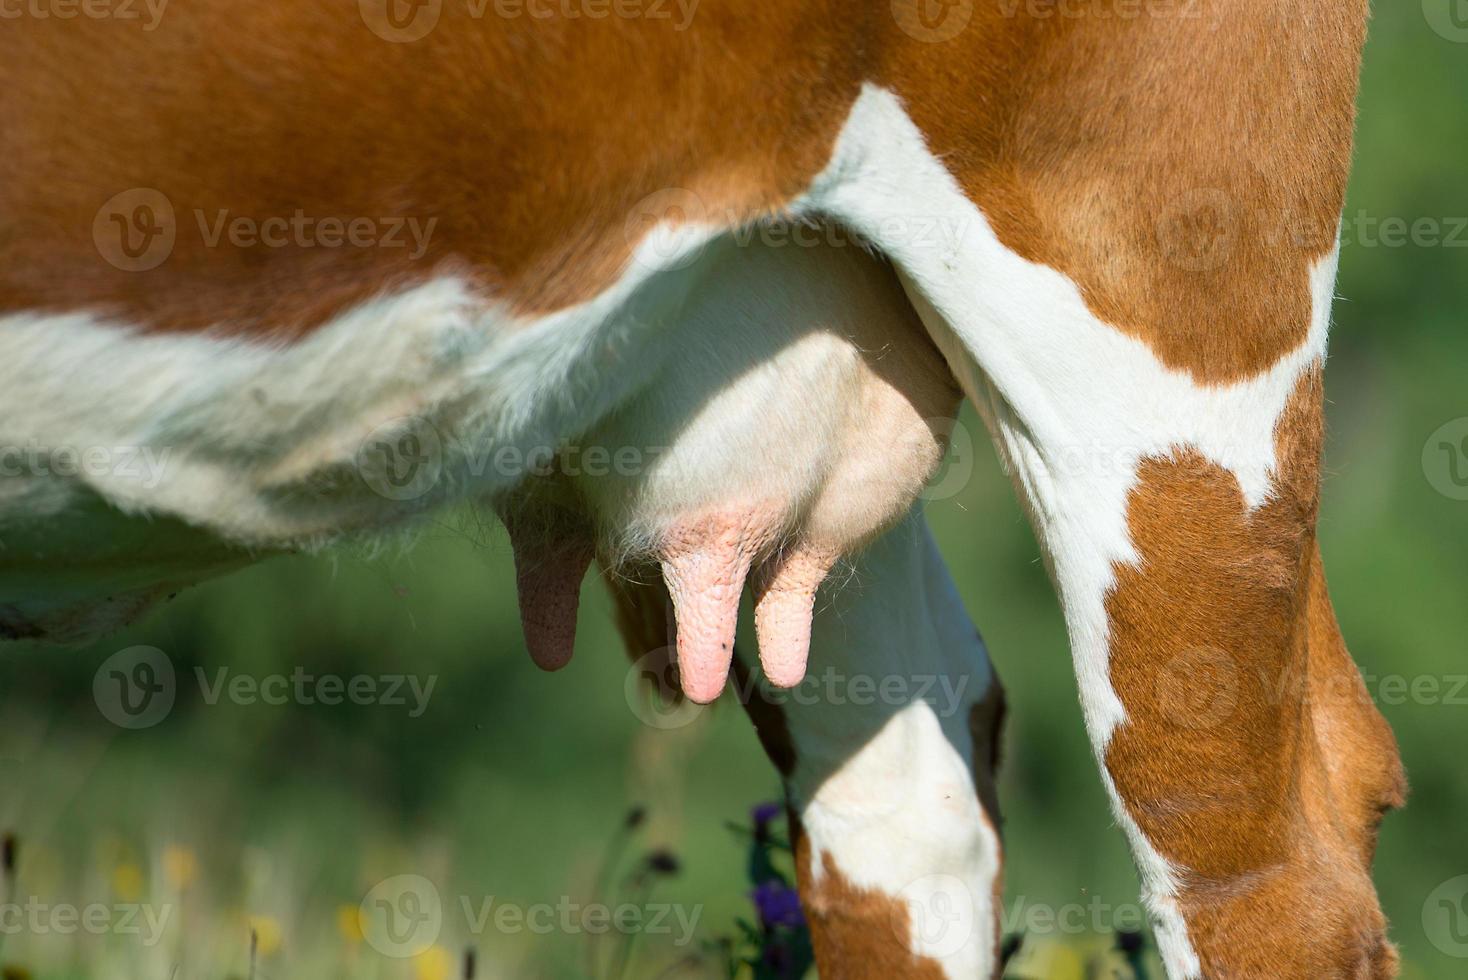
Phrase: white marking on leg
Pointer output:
(1075, 404)
(886, 790)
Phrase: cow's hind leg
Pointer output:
(1243, 760)
(888, 751)
(890, 755)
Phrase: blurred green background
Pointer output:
(511, 782)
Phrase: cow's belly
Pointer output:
(746, 376)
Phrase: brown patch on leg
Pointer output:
(857, 933)
(1362, 763)
(1212, 646)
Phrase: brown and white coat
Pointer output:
(1118, 226)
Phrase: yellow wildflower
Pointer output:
(434, 963)
(127, 882)
(349, 923)
(267, 933)
(180, 867)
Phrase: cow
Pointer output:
(276, 238)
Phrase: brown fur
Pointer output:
(1184, 171)
(1265, 797)
(858, 934)
(530, 140)
(1183, 167)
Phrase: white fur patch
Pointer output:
(886, 790)
(1074, 404)
(261, 439)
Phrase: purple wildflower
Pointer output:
(778, 905)
(764, 815)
